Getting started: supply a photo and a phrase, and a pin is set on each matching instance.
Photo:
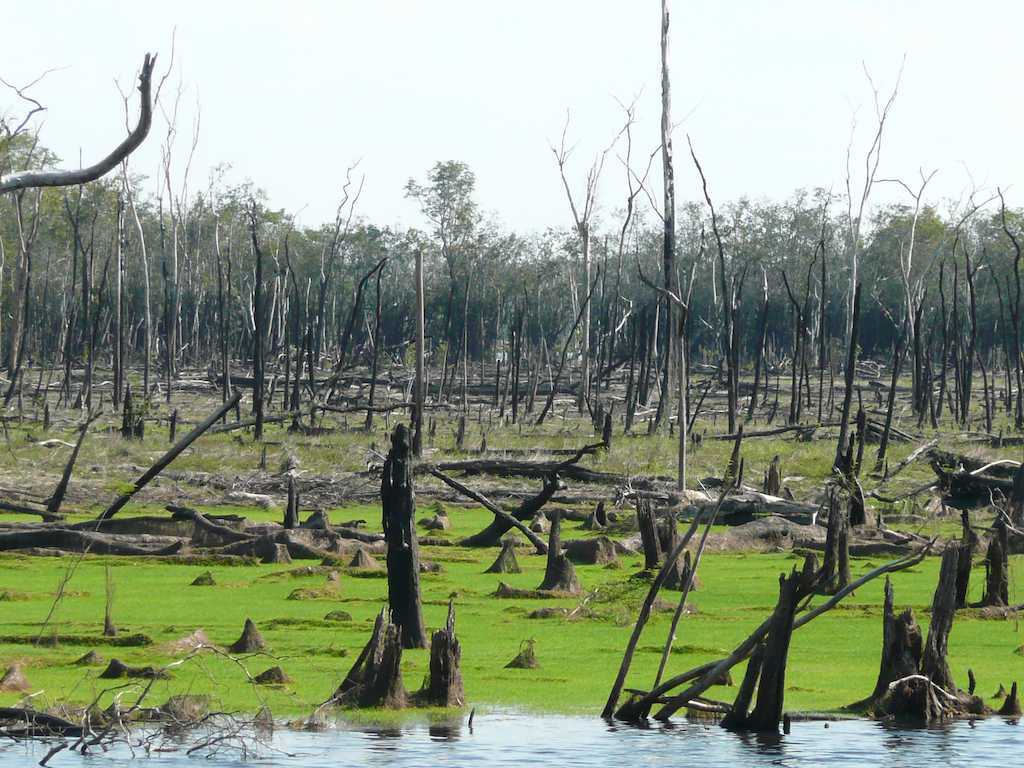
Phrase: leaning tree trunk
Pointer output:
(403, 559)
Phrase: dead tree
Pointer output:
(767, 712)
(399, 511)
(835, 569)
(14, 182)
(902, 646)
(647, 524)
(934, 663)
(851, 365)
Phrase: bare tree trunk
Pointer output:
(419, 395)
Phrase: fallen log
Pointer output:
(539, 469)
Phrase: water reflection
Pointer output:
(504, 739)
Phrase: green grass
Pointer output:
(833, 661)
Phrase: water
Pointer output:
(501, 739)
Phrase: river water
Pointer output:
(505, 739)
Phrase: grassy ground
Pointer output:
(833, 661)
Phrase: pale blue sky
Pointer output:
(291, 92)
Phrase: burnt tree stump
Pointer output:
(648, 533)
(934, 664)
(836, 562)
(997, 573)
(398, 504)
(773, 477)
(444, 686)
(771, 688)
(901, 646)
(968, 543)
(291, 512)
(375, 680)
(559, 574)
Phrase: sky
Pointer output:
(291, 93)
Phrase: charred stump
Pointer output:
(291, 512)
(375, 680)
(506, 562)
(836, 561)
(444, 686)
(902, 646)
(773, 477)
(968, 543)
(769, 671)
(997, 573)
(559, 574)
(399, 510)
(648, 533)
(934, 664)
(1011, 706)
(250, 641)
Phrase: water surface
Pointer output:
(497, 740)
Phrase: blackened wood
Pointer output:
(934, 663)
(399, 509)
(901, 645)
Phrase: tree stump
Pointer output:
(444, 686)
(648, 534)
(934, 664)
(506, 562)
(375, 680)
(836, 561)
(901, 646)
(291, 513)
(250, 641)
(399, 509)
(773, 477)
(559, 574)
(968, 543)
(997, 571)
(1011, 706)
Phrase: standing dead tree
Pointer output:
(871, 160)
(581, 216)
(399, 510)
(732, 290)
